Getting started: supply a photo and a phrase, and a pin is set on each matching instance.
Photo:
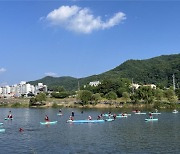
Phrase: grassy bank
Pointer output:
(73, 103)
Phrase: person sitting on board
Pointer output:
(60, 111)
(123, 114)
(150, 116)
(71, 118)
(137, 111)
(99, 117)
(89, 118)
(46, 118)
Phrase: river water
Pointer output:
(124, 135)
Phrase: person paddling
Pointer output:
(46, 118)
(150, 116)
(71, 118)
(10, 115)
(99, 117)
(114, 116)
(89, 118)
(21, 129)
(72, 114)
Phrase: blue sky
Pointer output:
(82, 38)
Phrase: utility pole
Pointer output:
(78, 86)
(132, 86)
(174, 86)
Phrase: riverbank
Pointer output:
(73, 103)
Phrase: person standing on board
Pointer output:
(114, 116)
(46, 118)
(10, 115)
(72, 114)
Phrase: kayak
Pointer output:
(85, 121)
(109, 120)
(1, 123)
(2, 130)
(140, 113)
(151, 119)
(8, 118)
(48, 122)
(156, 113)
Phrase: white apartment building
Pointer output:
(22, 88)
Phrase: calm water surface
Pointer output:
(124, 135)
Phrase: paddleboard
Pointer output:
(2, 130)
(121, 116)
(48, 122)
(60, 114)
(85, 121)
(175, 111)
(140, 113)
(154, 119)
(8, 118)
(109, 120)
(156, 113)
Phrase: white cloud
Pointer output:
(51, 74)
(81, 20)
(2, 70)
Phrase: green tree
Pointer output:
(178, 93)
(85, 96)
(170, 95)
(62, 94)
(159, 94)
(96, 97)
(111, 95)
(40, 97)
(125, 96)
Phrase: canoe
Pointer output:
(154, 119)
(48, 122)
(85, 121)
(156, 113)
(109, 120)
(2, 130)
(8, 118)
(140, 113)
(1, 123)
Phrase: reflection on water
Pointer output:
(124, 135)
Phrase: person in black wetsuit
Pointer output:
(72, 114)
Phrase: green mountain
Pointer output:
(157, 70)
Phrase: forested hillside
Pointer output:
(158, 70)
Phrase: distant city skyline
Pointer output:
(82, 38)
